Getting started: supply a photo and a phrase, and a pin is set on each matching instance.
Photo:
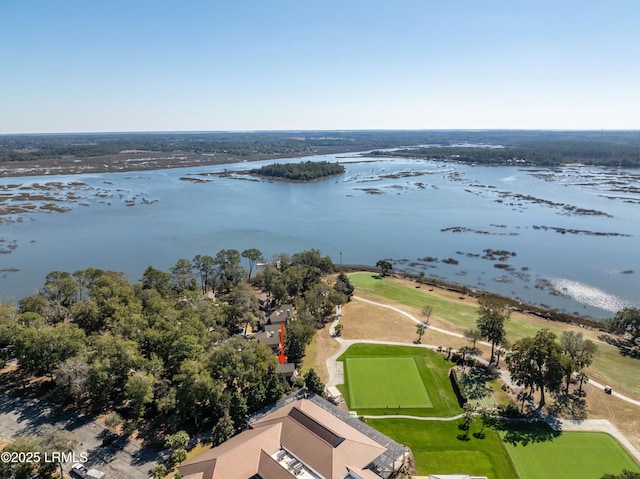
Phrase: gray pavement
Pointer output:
(120, 460)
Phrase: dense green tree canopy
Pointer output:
(343, 286)
(304, 171)
(384, 265)
(159, 349)
(626, 323)
(537, 362)
(227, 270)
(492, 314)
(313, 383)
(204, 265)
(253, 255)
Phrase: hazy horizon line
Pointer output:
(303, 130)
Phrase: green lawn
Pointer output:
(386, 382)
(621, 370)
(432, 370)
(438, 448)
(459, 314)
(580, 455)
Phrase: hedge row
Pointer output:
(457, 388)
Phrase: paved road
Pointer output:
(336, 376)
(120, 460)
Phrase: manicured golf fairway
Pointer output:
(398, 380)
(392, 382)
(618, 370)
(579, 455)
(437, 449)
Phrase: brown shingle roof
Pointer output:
(238, 457)
(270, 469)
(355, 449)
(315, 427)
(324, 443)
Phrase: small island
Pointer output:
(303, 171)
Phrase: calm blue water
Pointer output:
(128, 221)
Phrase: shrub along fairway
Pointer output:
(410, 380)
(579, 455)
(386, 382)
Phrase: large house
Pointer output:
(282, 314)
(269, 337)
(302, 436)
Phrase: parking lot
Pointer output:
(120, 459)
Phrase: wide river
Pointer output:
(567, 237)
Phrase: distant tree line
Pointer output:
(303, 171)
(536, 147)
(540, 154)
(18, 148)
(39, 147)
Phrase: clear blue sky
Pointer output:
(139, 65)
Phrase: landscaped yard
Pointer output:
(376, 374)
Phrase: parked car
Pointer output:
(608, 390)
(109, 438)
(193, 442)
(80, 470)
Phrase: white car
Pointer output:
(82, 471)
(79, 469)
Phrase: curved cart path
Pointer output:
(336, 376)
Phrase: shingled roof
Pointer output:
(298, 437)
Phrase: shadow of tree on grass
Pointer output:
(525, 432)
(573, 407)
